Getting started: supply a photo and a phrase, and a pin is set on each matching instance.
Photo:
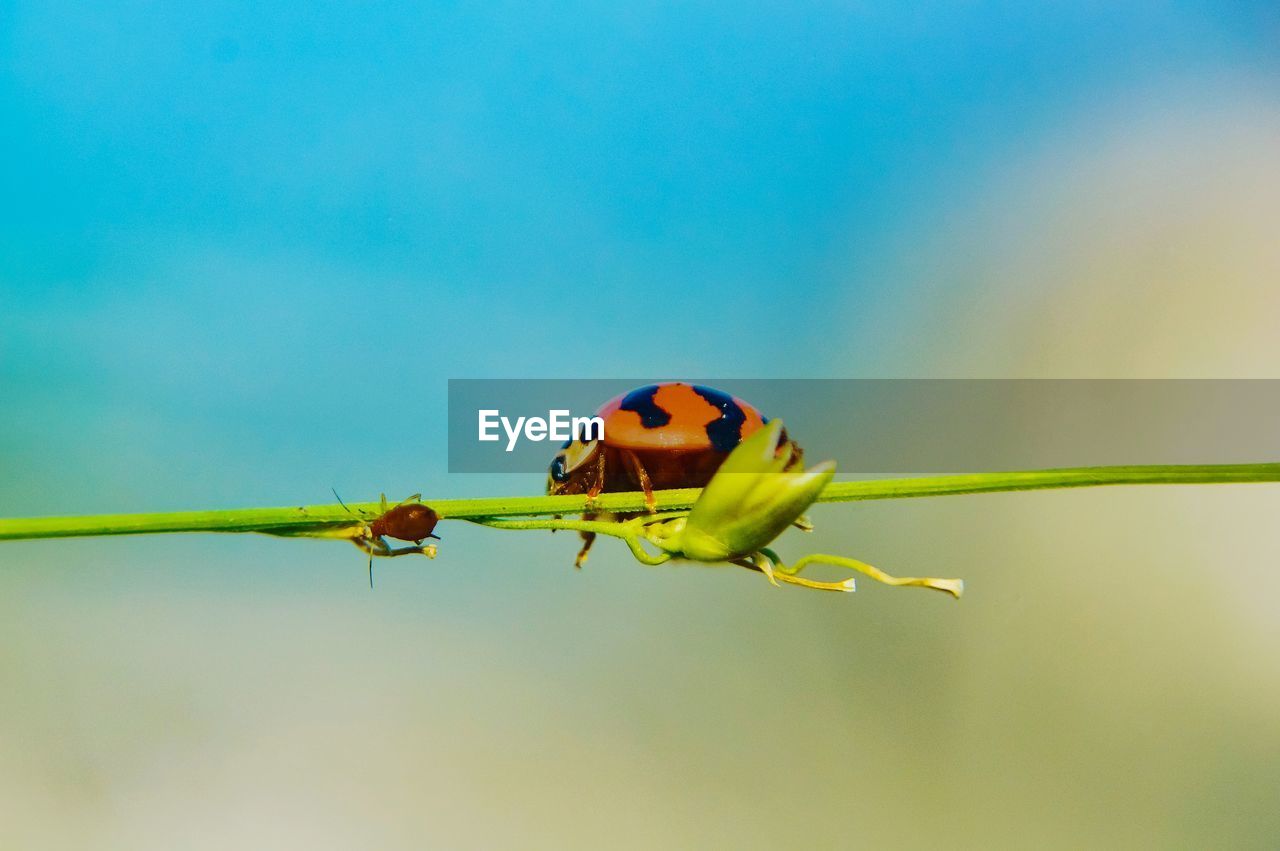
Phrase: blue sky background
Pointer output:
(243, 246)
(282, 220)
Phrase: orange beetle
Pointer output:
(669, 435)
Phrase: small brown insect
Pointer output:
(408, 520)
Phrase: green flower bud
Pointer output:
(751, 500)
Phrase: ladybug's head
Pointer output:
(570, 467)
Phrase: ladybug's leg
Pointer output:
(597, 481)
(642, 476)
(594, 490)
(588, 538)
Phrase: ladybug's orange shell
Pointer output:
(656, 437)
(687, 414)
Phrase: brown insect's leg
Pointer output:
(642, 476)
(377, 546)
(422, 549)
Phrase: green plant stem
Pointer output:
(315, 519)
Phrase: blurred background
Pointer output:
(243, 247)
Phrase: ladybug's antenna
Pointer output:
(370, 570)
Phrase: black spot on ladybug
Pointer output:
(567, 443)
(642, 402)
(725, 432)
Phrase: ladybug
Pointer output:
(668, 435)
